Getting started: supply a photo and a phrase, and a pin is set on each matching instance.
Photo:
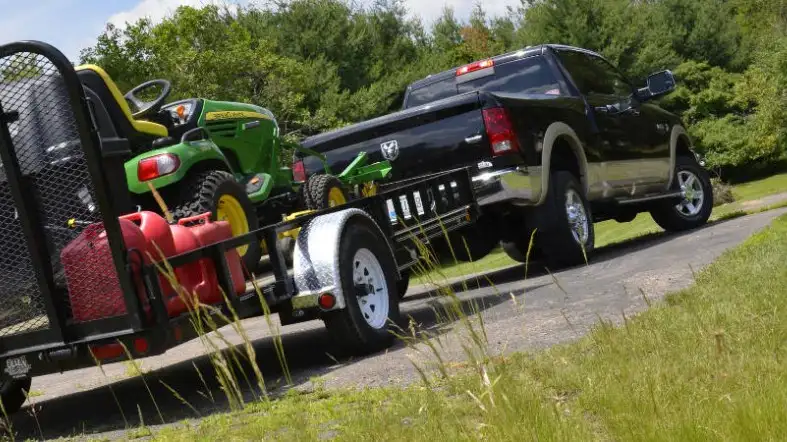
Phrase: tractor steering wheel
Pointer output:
(147, 108)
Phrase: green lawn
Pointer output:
(611, 232)
(761, 188)
(707, 364)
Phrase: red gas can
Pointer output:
(208, 233)
(93, 285)
(193, 276)
(158, 241)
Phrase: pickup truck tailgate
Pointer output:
(431, 138)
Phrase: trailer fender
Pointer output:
(316, 259)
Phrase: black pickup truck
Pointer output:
(557, 138)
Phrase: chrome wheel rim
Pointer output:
(371, 288)
(693, 194)
(577, 217)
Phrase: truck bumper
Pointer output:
(515, 185)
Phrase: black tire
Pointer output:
(468, 244)
(13, 393)
(555, 238)
(669, 217)
(515, 250)
(348, 326)
(200, 193)
(403, 284)
(318, 189)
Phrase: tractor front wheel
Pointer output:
(217, 192)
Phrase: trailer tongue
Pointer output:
(78, 277)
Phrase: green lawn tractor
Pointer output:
(214, 156)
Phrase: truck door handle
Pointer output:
(474, 139)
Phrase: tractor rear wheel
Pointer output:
(217, 192)
(323, 192)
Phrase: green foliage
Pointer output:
(323, 64)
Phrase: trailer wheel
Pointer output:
(368, 278)
(324, 191)
(13, 393)
(403, 284)
(218, 192)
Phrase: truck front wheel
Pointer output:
(13, 393)
(697, 204)
(368, 282)
(566, 235)
(217, 192)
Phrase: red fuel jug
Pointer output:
(93, 285)
(193, 276)
(158, 240)
(208, 232)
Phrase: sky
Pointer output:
(71, 25)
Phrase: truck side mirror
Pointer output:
(659, 83)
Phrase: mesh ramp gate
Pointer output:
(49, 201)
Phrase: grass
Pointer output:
(758, 189)
(612, 232)
(707, 364)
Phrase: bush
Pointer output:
(722, 192)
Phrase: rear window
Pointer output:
(432, 92)
(532, 75)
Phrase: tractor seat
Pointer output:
(140, 133)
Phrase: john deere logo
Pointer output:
(390, 150)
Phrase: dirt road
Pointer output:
(519, 314)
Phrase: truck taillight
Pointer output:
(157, 166)
(500, 131)
(298, 172)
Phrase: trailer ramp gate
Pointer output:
(53, 185)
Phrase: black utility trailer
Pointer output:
(346, 267)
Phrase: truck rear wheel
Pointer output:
(368, 282)
(217, 192)
(566, 235)
(697, 204)
(13, 393)
(470, 243)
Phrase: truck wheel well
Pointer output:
(564, 158)
(683, 148)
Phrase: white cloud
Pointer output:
(431, 10)
(156, 10)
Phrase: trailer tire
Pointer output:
(206, 192)
(13, 393)
(364, 326)
(324, 191)
(403, 284)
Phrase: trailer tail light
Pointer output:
(326, 301)
(477, 66)
(298, 172)
(500, 131)
(157, 166)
